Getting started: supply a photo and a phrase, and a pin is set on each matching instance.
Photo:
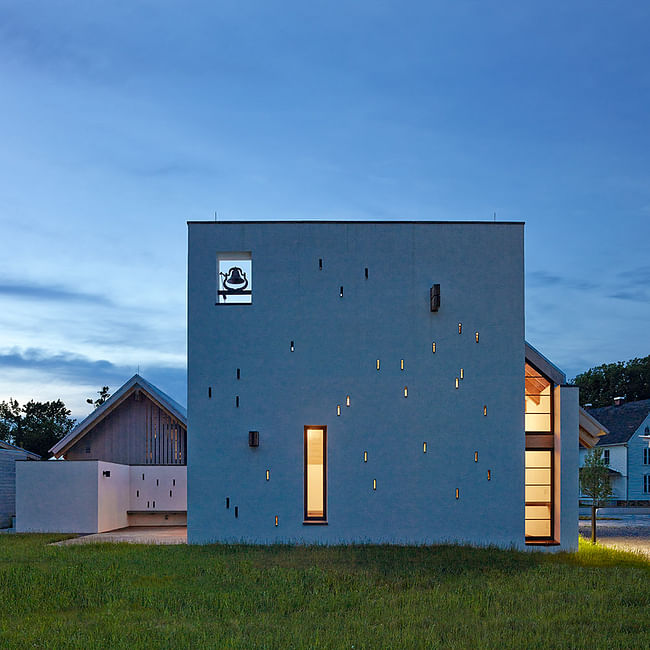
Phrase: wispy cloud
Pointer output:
(545, 279)
(70, 368)
(34, 291)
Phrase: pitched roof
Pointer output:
(542, 364)
(589, 429)
(622, 421)
(10, 447)
(153, 392)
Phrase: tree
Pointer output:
(104, 394)
(36, 426)
(601, 384)
(594, 483)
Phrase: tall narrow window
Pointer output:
(315, 474)
(538, 402)
(539, 491)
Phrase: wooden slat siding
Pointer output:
(8, 458)
(135, 433)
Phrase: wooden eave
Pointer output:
(590, 429)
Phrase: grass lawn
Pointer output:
(122, 595)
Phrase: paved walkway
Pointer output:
(627, 532)
(134, 535)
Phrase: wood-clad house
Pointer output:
(124, 464)
(9, 454)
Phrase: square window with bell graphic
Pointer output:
(234, 279)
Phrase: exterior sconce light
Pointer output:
(460, 328)
(401, 364)
(365, 456)
(424, 447)
(338, 409)
(347, 401)
(476, 336)
(434, 297)
(433, 347)
(462, 374)
(374, 483)
(254, 439)
(406, 391)
(457, 383)
(457, 493)
(268, 474)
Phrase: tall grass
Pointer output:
(121, 595)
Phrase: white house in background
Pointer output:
(125, 464)
(626, 449)
(9, 454)
(369, 382)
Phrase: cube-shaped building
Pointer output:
(367, 382)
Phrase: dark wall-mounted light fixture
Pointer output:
(434, 296)
(253, 438)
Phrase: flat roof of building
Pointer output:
(310, 221)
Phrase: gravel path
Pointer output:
(628, 532)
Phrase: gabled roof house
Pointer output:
(124, 464)
(626, 448)
(9, 454)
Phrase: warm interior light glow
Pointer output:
(476, 337)
(457, 493)
(460, 328)
(377, 364)
(537, 402)
(489, 475)
(406, 391)
(457, 383)
(276, 520)
(374, 483)
(365, 456)
(347, 401)
(538, 493)
(315, 486)
(433, 347)
(476, 456)
(338, 409)
(485, 410)
(424, 447)
(462, 374)
(268, 474)
(401, 364)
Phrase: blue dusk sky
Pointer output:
(122, 120)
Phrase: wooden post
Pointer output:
(593, 523)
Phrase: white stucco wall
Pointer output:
(337, 341)
(566, 479)
(158, 488)
(56, 496)
(112, 496)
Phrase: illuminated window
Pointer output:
(476, 335)
(406, 391)
(377, 364)
(462, 374)
(338, 409)
(433, 347)
(457, 493)
(476, 456)
(460, 328)
(457, 384)
(485, 410)
(401, 364)
(268, 474)
(276, 520)
(424, 447)
(347, 401)
(365, 456)
(538, 402)
(539, 466)
(234, 279)
(315, 473)
(489, 475)
(374, 483)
